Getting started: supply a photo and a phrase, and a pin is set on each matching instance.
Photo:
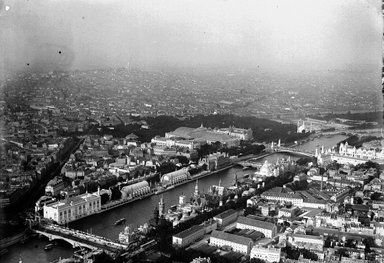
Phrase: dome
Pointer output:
(129, 189)
(266, 169)
(183, 132)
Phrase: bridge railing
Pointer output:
(293, 150)
(83, 237)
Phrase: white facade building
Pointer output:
(293, 198)
(307, 241)
(169, 142)
(71, 209)
(266, 254)
(353, 155)
(237, 243)
(268, 229)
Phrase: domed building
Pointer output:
(266, 170)
(175, 177)
(135, 190)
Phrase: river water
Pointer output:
(139, 212)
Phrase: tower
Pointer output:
(196, 193)
(279, 143)
(161, 206)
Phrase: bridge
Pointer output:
(293, 150)
(252, 161)
(79, 238)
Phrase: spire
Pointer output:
(161, 206)
(220, 182)
(197, 188)
(201, 126)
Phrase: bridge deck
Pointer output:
(82, 237)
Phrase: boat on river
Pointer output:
(120, 221)
(49, 246)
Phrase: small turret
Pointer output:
(161, 206)
(196, 193)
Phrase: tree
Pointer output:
(249, 210)
(116, 194)
(369, 242)
(201, 260)
(156, 215)
(256, 260)
(358, 200)
(104, 198)
(292, 253)
(375, 196)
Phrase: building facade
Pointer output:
(135, 190)
(188, 236)
(54, 186)
(266, 254)
(237, 243)
(225, 218)
(268, 229)
(71, 209)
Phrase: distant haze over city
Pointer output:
(289, 35)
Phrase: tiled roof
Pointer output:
(225, 214)
(231, 237)
(256, 223)
(308, 236)
(189, 231)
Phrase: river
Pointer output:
(139, 212)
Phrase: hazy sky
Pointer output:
(300, 34)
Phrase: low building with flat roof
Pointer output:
(225, 218)
(268, 229)
(237, 243)
(266, 254)
(188, 236)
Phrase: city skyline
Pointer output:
(268, 35)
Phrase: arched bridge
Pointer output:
(293, 150)
(78, 238)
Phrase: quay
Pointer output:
(114, 204)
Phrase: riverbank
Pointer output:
(156, 192)
(141, 211)
(14, 239)
(115, 204)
